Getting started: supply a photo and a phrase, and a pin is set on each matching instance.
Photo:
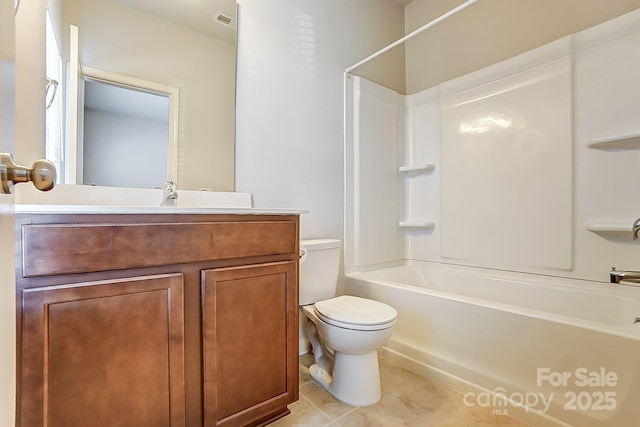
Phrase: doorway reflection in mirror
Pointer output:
(125, 136)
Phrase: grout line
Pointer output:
(317, 408)
(321, 411)
(344, 415)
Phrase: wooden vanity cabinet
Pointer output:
(102, 351)
(247, 338)
(156, 320)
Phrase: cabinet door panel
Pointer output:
(249, 317)
(108, 353)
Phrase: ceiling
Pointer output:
(199, 15)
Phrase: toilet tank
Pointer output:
(319, 268)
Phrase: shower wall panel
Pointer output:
(372, 190)
(507, 170)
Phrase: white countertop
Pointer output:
(86, 199)
(100, 209)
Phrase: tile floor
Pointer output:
(407, 400)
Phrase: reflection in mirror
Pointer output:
(161, 42)
(54, 119)
(125, 136)
(126, 130)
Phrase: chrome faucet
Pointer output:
(629, 277)
(636, 228)
(170, 193)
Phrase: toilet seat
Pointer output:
(356, 313)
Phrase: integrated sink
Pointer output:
(86, 195)
(112, 209)
(80, 199)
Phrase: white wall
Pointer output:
(121, 40)
(289, 133)
(30, 65)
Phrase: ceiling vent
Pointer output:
(227, 20)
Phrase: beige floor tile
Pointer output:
(481, 417)
(324, 401)
(303, 375)
(303, 414)
(410, 406)
(369, 418)
(408, 400)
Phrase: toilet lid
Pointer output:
(356, 313)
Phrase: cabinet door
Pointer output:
(107, 353)
(250, 334)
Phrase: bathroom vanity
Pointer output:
(176, 318)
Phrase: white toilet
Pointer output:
(345, 331)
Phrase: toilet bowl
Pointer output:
(345, 346)
(345, 331)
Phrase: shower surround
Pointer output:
(519, 172)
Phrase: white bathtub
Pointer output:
(547, 350)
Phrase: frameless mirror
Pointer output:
(127, 134)
(188, 47)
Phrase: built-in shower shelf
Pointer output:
(621, 142)
(417, 224)
(417, 168)
(617, 228)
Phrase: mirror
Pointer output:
(127, 129)
(187, 46)
(129, 134)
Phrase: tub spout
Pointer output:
(630, 277)
(635, 228)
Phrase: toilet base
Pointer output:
(355, 379)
